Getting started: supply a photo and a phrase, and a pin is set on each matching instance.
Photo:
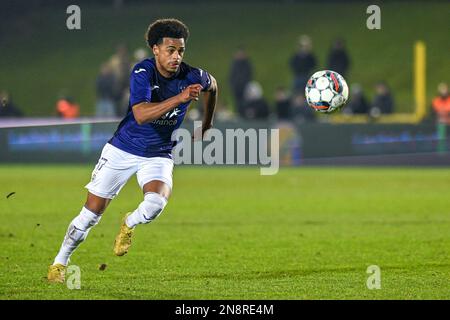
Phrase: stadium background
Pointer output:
(38, 49)
(307, 232)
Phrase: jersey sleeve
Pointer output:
(202, 77)
(140, 86)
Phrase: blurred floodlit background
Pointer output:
(259, 51)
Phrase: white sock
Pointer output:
(76, 233)
(148, 210)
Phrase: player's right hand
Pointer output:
(191, 92)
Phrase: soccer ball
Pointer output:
(326, 91)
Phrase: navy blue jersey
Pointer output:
(153, 139)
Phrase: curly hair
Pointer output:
(162, 28)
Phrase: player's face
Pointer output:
(169, 55)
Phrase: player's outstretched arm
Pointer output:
(210, 99)
(145, 112)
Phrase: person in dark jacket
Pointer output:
(283, 104)
(105, 92)
(358, 103)
(383, 102)
(8, 109)
(338, 59)
(301, 111)
(302, 64)
(241, 73)
(255, 107)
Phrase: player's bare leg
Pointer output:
(156, 194)
(76, 233)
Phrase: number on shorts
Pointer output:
(98, 167)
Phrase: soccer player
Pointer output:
(161, 90)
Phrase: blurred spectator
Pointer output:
(105, 92)
(120, 65)
(224, 113)
(67, 108)
(282, 104)
(138, 55)
(302, 63)
(8, 109)
(441, 103)
(358, 103)
(383, 102)
(338, 59)
(255, 106)
(301, 111)
(241, 73)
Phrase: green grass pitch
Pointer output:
(229, 233)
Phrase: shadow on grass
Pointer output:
(277, 274)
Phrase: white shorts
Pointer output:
(116, 166)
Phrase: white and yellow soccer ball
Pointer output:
(326, 91)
